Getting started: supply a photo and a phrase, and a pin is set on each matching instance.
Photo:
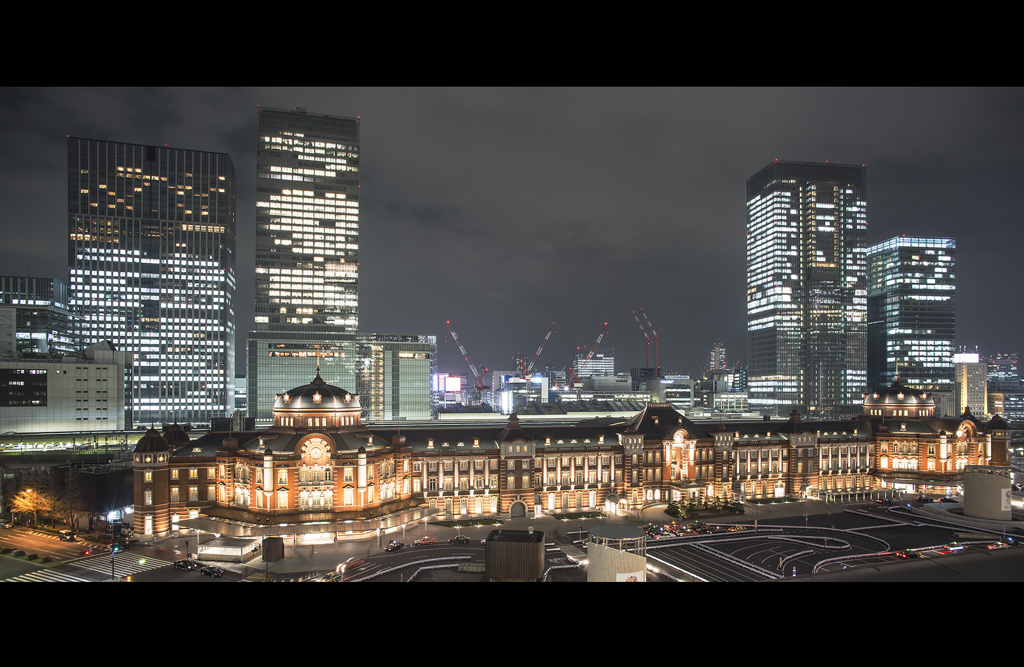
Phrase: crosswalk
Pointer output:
(46, 576)
(125, 564)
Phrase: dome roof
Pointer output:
(152, 442)
(176, 436)
(898, 395)
(317, 395)
(997, 423)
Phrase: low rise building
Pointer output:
(83, 393)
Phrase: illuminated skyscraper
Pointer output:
(307, 221)
(807, 288)
(151, 257)
(971, 376)
(716, 361)
(912, 312)
(36, 318)
(307, 250)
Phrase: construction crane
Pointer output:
(481, 378)
(654, 337)
(647, 340)
(597, 342)
(524, 369)
(573, 378)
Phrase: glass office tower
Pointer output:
(912, 312)
(151, 257)
(307, 276)
(390, 372)
(807, 288)
(307, 221)
(36, 318)
(307, 253)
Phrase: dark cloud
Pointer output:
(504, 210)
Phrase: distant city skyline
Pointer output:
(504, 210)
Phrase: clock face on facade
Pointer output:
(316, 447)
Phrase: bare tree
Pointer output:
(68, 498)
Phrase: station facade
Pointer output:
(319, 463)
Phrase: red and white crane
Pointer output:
(481, 378)
(524, 369)
(653, 337)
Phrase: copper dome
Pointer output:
(913, 402)
(317, 396)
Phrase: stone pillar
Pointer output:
(361, 477)
(268, 480)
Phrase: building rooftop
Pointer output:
(516, 536)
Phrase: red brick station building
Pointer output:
(318, 465)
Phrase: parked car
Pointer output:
(212, 571)
(6, 524)
(394, 545)
(187, 564)
(924, 499)
(459, 539)
(949, 500)
(425, 541)
(66, 536)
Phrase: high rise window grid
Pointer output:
(307, 220)
(806, 287)
(912, 322)
(151, 264)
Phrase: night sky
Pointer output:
(504, 210)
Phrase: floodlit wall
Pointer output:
(608, 564)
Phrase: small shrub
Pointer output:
(19, 553)
(33, 556)
(5, 551)
(46, 559)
